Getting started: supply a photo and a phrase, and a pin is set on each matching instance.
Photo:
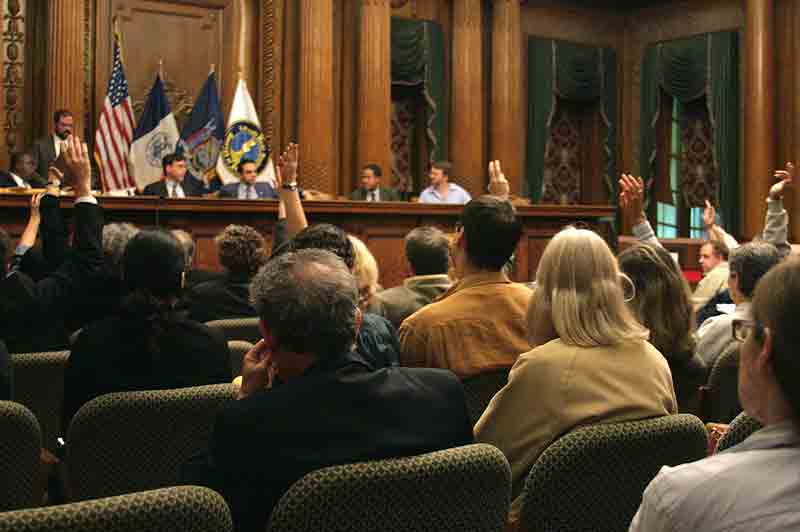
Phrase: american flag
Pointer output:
(113, 138)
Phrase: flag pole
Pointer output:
(161, 68)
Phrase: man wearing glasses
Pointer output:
(748, 263)
(753, 485)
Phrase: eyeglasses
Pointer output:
(739, 329)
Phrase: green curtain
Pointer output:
(609, 110)
(418, 61)
(540, 106)
(650, 110)
(687, 69)
(724, 104)
(684, 68)
(572, 72)
(578, 76)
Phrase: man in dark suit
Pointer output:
(47, 149)
(307, 401)
(172, 184)
(371, 189)
(248, 187)
(30, 309)
(22, 172)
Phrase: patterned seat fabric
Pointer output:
(461, 489)
(134, 441)
(480, 389)
(39, 385)
(721, 398)
(740, 429)
(245, 329)
(238, 349)
(20, 442)
(593, 478)
(179, 509)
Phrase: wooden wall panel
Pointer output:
(219, 31)
(787, 34)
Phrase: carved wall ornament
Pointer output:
(13, 68)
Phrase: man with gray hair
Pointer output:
(194, 276)
(427, 259)
(307, 401)
(747, 263)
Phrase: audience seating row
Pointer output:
(135, 441)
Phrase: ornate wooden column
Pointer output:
(374, 87)
(317, 115)
(65, 61)
(14, 16)
(467, 122)
(759, 112)
(507, 117)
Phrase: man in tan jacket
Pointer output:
(479, 324)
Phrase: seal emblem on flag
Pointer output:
(158, 146)
(244, 140)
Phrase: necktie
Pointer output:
(251, 192)
(371, 195)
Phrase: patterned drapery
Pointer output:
(403, 131)
(699, 175)
(563, 158)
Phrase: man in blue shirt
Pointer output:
(441, 190)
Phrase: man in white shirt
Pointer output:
(22, 173)
(248, 188)
(441, 190)
(47, 149)
(754, 485)
(748, 264)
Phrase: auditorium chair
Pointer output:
(720, 395)
(238, 349)
(133, 441)
(39, 385)
(245, 329)
(462, 489)
(480, 389)
(180, 509)
(20, 443)
(593, 478)
(739, 430)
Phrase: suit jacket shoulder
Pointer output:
(155, 189)
(229, 191)
(358, 194)
(389, 194)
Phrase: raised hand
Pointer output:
(77, 159)
(631, 197)
(786, 177)
(709, 215)
(287, 165)
(498, 184)
(36, 199)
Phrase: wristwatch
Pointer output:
(290, 186)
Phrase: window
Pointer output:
(673, 218)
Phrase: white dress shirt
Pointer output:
(247, 191)
(374, 195)
(174, 189)
(19, 181)
(752, 486)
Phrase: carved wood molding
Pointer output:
(13, 70)
(271, 64)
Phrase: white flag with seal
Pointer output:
(156, 135)
(244, 141)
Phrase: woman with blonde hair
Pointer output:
(365, 270)
(591, 362)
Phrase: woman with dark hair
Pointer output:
(146, 345)
(662, 303)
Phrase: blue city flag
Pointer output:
(156, 135)
(202, 134)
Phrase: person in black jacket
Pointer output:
(31, 311)
(146, 345)
(241, 252)
(330, 407)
